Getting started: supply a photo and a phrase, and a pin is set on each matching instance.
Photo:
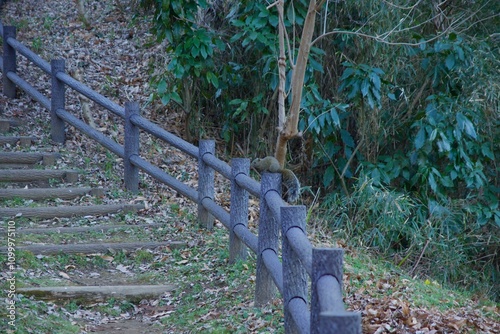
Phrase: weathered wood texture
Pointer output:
(131, 147)
(28, 175)
(94, 248)
(83, 229)
(269, 230)
(69, 211)
(239, 210)
(46, 193)
(295, 278)
(28, 158)
(206, 177)
(24, 141)
(133, 293)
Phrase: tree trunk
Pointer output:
(290, 128)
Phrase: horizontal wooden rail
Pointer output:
(300, 314)
(249, 184)
(273, 265)
(302, 247)
(330, 295)
(218, 165)
(29, 89)
(33, 57)
(91, 132)
(163, 177)
(91, 94)
(247, 237)
(219, 212)
(164, 135)
(275, 202)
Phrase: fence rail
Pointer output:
(290, 274)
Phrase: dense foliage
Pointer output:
(404, 94)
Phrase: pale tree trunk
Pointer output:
(289, 128)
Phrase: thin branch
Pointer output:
(342, 182)
(420, 257)
(377, 38)
(351, 157)
(399, 7)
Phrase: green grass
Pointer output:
(35, 317)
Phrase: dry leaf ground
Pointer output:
(115, 59)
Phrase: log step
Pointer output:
(28, 158)
(24, 141)
(94, 248)
(69, 211)
(6, 124)
(46, 193)
(134, 293)
(16, 166)
(81, 229)
(28, 175)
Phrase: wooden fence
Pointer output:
(300, 265)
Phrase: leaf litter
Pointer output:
(115, 61)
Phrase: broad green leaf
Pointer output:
(420, 138)
(450, 61)
(335, 117)
(347, 73)
(432, 182)
(162, 86)
(347, 138)
(485, 150)
(375, 79)
(365, 85)
(328, 176)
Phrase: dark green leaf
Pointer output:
(420, 138)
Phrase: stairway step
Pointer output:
(69, 211)
(94, 248)
(46, 193)
(6, 124)
(16, 166)
(28, 158)
(101, 293)
(27, 175)
(24, 141)
(80, 229)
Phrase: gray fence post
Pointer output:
(206, 177)
(9, 62)
(269, 229)
(239, 209)
(327, 263)
(131, 148)
(295, 277)
(57, 101)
